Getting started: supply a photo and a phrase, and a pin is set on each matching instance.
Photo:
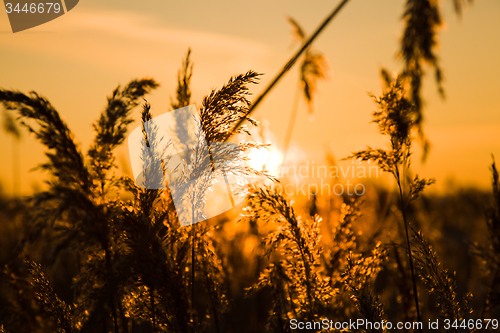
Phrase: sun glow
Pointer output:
(266, 159)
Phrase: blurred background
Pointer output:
(76, 60)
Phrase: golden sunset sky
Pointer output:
(78, 59)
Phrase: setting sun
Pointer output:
(267, 159)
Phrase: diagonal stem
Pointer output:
(289, 65)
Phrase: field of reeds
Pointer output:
(95, 252)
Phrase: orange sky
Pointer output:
(79, 58)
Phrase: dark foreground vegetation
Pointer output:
(96, 253)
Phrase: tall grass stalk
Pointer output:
(491, 304)
(292, 61)
(489, 253)
(301, 289)
(439, 283)
(358, 278)
(133, 256)
(403, 207)
(397, 117)
(314, 67)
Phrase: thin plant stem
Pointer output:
(193, 265)
(291, 123)
(290, 64)
(410, 257)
